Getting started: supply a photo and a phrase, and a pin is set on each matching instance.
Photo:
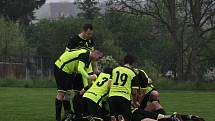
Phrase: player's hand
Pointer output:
(136, 104)
(82, 92)
(149, 81)
(91, 77)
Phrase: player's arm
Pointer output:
(83, 59)
(95, 67)
(109, 83)
(85, 77)
(139, 88)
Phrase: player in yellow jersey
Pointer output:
(83, 40)
(120, 90)
(93, 98)
(66, 66)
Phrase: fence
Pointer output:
(27, 68)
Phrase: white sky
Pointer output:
(48, 1)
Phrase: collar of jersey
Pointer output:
(81, 37)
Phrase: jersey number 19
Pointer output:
(120, 79)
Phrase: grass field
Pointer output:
(37, 104)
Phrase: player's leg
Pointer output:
(58, 104)
(66, 103)
(113, 108)
(77, 99)
(124, 109)
(154, 103)
(78, 104)
(63, 81)
(66, 100)
(191, 118)
(148, 119)
(139, 115)
(92, 108)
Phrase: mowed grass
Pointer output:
(200, 103)
(37, 104)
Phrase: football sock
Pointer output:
(67, 106)
(58, 106)
(186, 117)
(165, 119)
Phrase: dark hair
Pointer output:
(108, 70)
(128, 59)
(87, 26)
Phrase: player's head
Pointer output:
(87, 31)
(95, 55)
(129, 59)
(108, 70)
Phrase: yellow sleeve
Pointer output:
(82, 71)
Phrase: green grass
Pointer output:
(37, 104)
(200, 103)
(27, 104)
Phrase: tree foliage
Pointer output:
(12, 39)
(19, 10)
(89, 8)
(190, 24)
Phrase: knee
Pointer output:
(60, 95)
(148, 119)
(155, 105)
(67, 96)
(154, 96)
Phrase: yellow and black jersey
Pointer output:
(122, 79)
(77, 42)
(75, 62)
(69, 61)
(143, 80)
(98, 92)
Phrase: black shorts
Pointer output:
(140, 114)
(64, 81)
(78, 82)
(120, 106)
(92, 108)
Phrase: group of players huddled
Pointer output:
(123, 93)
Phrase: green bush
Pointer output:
(108, 61)
(12, 39)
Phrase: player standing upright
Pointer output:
(83, 40)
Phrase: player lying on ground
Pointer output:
(142, 115)
(148, 98)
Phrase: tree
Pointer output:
(189, 23)
(89, 8)
(12, 40)
(20, 11)
(202, 15)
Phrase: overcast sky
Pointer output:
(48, 1)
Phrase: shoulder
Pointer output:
(74, 37)
(84, 56)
